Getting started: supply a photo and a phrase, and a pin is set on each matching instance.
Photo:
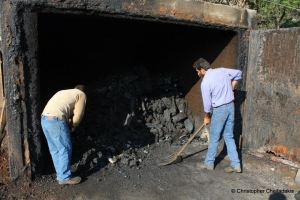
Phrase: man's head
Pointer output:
(80, 87)
(201, 66)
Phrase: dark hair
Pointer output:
(80, 87)
(201, 63)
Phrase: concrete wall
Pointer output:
(272, 107)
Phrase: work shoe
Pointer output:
(233, 169)
(73, 181)
(204, 166)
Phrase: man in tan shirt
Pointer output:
(62, 114)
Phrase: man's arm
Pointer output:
(79, 109)
(235, 75)
(233, 84)
(207, 104)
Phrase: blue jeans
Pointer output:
(222, 120)
(59, 142)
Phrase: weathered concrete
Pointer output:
(194, 11)
(19, 44)
(272, 108)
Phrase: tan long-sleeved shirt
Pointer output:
(65, 104)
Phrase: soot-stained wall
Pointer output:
(50, 45)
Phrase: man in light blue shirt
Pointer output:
(217, 93)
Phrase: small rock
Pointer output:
(92, 164)
(112, 160)
(125, 160)
(95, 160)
(132, 163)
(89, 138)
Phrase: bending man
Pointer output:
(62, 115)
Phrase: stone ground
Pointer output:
(268, 179)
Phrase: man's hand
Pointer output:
(206, 118)
(72, 129)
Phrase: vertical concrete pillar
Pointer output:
(273, 93)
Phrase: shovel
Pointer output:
(175, 157)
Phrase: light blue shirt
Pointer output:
(216, 87)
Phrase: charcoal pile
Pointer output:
(125, 114)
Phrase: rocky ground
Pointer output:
(261, 179)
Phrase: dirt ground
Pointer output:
(261, 179)
(133, 172)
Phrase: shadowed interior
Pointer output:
(78, 49)
(81, 50)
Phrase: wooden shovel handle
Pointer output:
(2, 122)
(189, 141)
(3, 118)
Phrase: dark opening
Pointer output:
(77, 49)
(81, 50)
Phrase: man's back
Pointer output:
(216, 87)
(62, 105)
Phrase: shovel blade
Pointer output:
(172, 160)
